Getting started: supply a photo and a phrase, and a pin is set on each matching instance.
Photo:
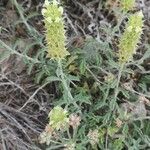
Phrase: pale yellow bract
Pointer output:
(55, 32)
(131, 37)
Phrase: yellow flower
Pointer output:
(130, 38)
(55, 32)
(58, 118)
(127, 5)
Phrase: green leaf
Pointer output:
(51, 79)
(146, 79)
(112, 104)
(82, 98)
(33, 14)
(30, 68)
(101, 135)
(113, 64)
(39, 76)
(125, 93)
(118, 144)
(125, 129)
(113, 84)
(146, 54)
(83, 67)
(4, 55)
(73, 78)
(112, 130)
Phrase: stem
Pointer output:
(74, 132)
(69, 136)
(31, 30)
(21, 15)
(141, 94)
(118, 81)
(117, 86)
(56, 147)
(106, 141)
(64, 82)
(17, 53)
(66, 87)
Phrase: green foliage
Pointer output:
(118, 144)
(98, 93)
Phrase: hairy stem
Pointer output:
(67, 89)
